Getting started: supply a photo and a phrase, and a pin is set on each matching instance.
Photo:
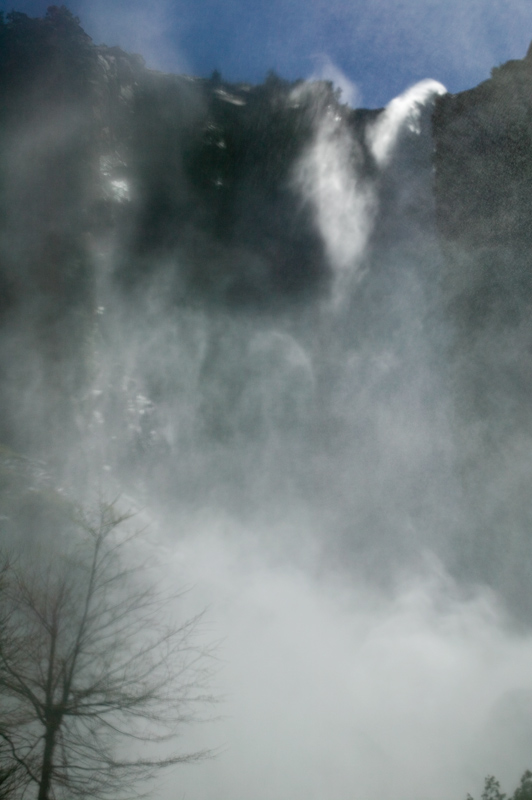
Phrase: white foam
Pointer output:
(402, 110)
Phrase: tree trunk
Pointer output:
(47, 762)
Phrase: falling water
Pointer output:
(294, 442)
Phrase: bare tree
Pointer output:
(90, 667)
(11, 776)
(9, 769)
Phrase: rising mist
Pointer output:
(275, 324)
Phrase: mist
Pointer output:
(232, 307)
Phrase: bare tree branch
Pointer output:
(89, 660)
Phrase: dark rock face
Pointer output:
(117, 179)
(188, 181)
(172, 160)
(483, 147)
(212, 163)
(483, 192)
(170, 305)
(483, 142)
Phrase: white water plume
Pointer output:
(401, 111)
(331, 175)
(343, 204)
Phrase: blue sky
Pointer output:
(380, 46)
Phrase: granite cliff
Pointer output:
(258, 298)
